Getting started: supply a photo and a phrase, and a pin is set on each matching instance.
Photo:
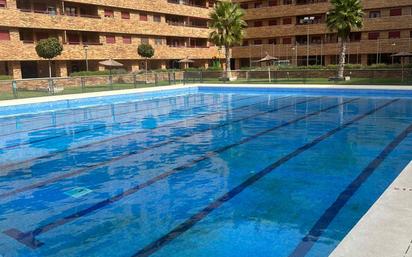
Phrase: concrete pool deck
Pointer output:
(386, 229)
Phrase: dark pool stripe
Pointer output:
(74, 132)
(329, 215)
(140, 151)
(25, 162)
(29, 238)
(193, 220)
(123, 113)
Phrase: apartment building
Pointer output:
(295, 31)
(95, 30)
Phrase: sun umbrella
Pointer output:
(267, 59)
(186, 61)
(110, 63)
(402, 55)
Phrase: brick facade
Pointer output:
(109, 28)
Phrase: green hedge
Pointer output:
(97, 73)
(5, 77)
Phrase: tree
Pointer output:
(49, 49)
(227, 26)
(146, 51)
(345, 16)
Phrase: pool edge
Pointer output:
(386, 228)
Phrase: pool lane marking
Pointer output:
(29, 238)
(193, 220)
(333, 210)
(95, 107)
(128, 112)
(142, 150)
(74, 132)
(19, 163)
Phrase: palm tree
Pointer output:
(227, 26)
(345, 16)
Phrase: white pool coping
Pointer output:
(386, 229)
(43, 99)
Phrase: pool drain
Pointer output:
(78, 192)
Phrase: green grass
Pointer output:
(353, 81)
(78, 90)
(99, 88)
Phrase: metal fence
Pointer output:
(58, 86)
(25, 88)
(303, 76)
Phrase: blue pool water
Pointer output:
(206, 172)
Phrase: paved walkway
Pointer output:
(386, 229)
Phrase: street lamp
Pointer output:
(295, 48)
(393, 50)
(308, 20)
(85, 48)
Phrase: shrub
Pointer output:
(5, 77)
(97, 73)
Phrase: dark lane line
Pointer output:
(172, 124)
(29, 238)
(74, 132)
(333, 210)
(140, 151)
(95, 107)
(63, 125)
(193, 220)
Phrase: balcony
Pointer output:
(195, 3)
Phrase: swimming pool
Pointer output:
(202, 172)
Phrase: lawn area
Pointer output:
(353, 81)
(117, 86)
(77, 90)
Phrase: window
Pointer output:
(258, 24)
(157, 18)
(244, 6)
(395, 12)
(394, 34)
(374, 14)
(246, 42)
(126, 15)
(273, 2)
(144, 40)
(3, 3)
(108, 13)
(158, 41)
(127, 39)
(273, 22)
(110, 39)
(143, 16)
(257, 42)
(70, 11)
(272, 41)
(355, 36)
(287, 21)
(4, 35)
(373, 35)
(258, 4)
(287, 41)
(286, 2)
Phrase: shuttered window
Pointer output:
(125, 15)
(396, 12)
(108, 13)
(110, 39)
(373, 35)
(4, 35)
(3, 3)
(127, 39)
(394, 34)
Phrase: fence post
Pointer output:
(184, 77)
(14, 88)
(111, 82)
(156, 80)
(201, 76)
(82, 84)
(168, 78)
(51, 86)
(134, 81)
(174, 77)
